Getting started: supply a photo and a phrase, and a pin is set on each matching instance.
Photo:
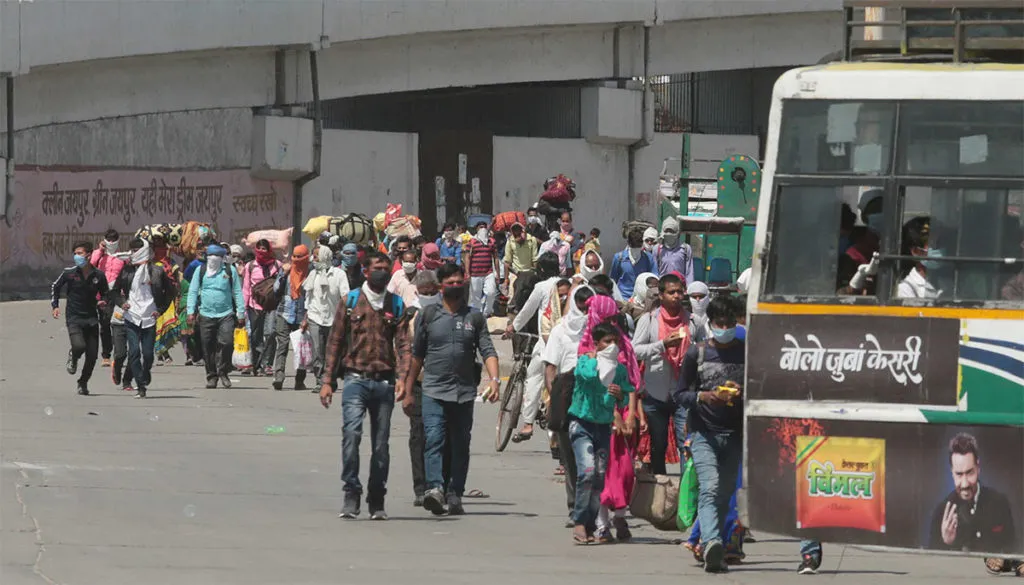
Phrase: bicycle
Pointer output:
(512, 398)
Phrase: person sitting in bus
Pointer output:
(915, 283)
(864, 242)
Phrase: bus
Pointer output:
(884, 390)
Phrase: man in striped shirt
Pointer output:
(480, 260)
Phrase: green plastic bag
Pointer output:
(689, 489)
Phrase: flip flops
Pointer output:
(475, 493)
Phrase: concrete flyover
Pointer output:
(127, 90)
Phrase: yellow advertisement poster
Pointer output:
(840, 483)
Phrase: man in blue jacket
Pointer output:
(630, 263)
(215, 295)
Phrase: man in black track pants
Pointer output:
(85, 287)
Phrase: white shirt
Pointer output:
(401, 286)
(915, 286)
(540, 297)
(561, 351)
(322, 301)
(140, 300)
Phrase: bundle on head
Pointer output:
(194, 236)
(171, 233)
(560, 189)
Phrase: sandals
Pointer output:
(560, 470)
(519, 437)
(604, 537)
(995, 566)
(475, 493)
(581, 539)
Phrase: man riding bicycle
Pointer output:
(530, 313)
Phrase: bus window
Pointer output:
(954, 138)
(816, 247)
(836, 137)
(965, 223)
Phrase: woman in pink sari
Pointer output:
(619, 479)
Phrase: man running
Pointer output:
(85, 286)
(105, 260)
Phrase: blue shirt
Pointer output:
(449, 251)
(624, 272)
(221, 293)
(293, 310)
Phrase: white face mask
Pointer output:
(607, 363)
(450, 236)
(427, 300)
(533, 219)
(214, 264)
(700, 307)
(111, 247)
(481, 235)
(141, 255)
(409, 267)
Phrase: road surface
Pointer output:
(188, 487)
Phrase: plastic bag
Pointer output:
(241, 358)
(302, 349)
(689, 490)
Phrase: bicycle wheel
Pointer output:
(511, 406)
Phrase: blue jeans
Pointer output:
(451, 423)
(357, 397)
(659, 416)
(590, 444)
(717, 461)
(730, 524)
(810, 547)
(140, 352)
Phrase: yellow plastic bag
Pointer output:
(241, 358)
(316, 226)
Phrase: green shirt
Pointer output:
(523, 256)
(590, 398)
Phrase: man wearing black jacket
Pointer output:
(85, 286)
(144, 291)
(973, 517)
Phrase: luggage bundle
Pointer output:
(558, 193)
(637, 225)
(171, 233)
(192, 235)
(279, 239)
(408, 225)
(351, 227)
(505, 220)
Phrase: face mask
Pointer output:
(214, 263)
(607, 363)
(648, 246)
(111, 247)
(931, 265)
(723, 335)
(264, 256)
(378, 280)
(874, 222)
(348, 259)
(700, 306)
(449, 235)
(481, 234)
(427, 300)
(409, 267)
(141, 255)
(454, 293)
(533, 219)
(79, 260)
(670, 239)
(563, 298)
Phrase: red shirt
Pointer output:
(481, 257)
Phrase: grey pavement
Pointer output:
(187, 487)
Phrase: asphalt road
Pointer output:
(188, 487)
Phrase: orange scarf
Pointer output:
(300, 270)
(667, 325)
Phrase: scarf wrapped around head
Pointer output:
(300, 270)
(599, 309)
(321, 275)
(430, 257)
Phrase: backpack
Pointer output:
(231, 284)
(263, 292)
(390, 300)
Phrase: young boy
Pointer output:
(602, 383)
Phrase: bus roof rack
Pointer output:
(961, 31)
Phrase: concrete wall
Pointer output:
(361, 171)
(647, 168)
(521, 165)
(200, 139)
